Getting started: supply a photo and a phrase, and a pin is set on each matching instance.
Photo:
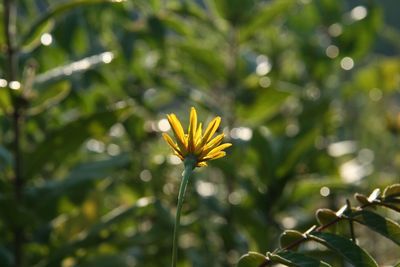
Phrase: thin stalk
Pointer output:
(10, 31)
(351, 224)
(189, 166)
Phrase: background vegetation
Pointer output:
(308, 93)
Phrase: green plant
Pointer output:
(328, 234)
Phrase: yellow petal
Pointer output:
(215, 141)
(210, 145)
(201, 164)
(178, 131)
(192, 129)
(215, 151)
(209, 132)
(179, 155)
(198, 134)
(172, 144)
(213, 156)
(219, 155)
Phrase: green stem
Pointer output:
(189, 163)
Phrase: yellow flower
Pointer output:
(196, 144)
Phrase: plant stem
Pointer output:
(351, 225)
(10, 31)
(189, 163)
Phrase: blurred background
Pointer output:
(308, 92)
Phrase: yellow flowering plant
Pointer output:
(194, 148)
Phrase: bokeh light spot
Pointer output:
(332, 51)
(347, 63)
(358, 13)
(46, 39)
(3, 83)
(324, 191)
(15, 85)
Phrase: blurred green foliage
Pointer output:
(308, 93)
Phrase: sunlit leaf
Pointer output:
(378, 223)
(374, 195)
(64, 72)
(391, 191)
(326, 216)
(344, 247)
(251, 259)
(290, 258)
(291, 238)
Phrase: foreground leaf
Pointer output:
(391, 191)
(251, 259)
(379, 224)
(290, 258)
(344, 247)
(290, 237)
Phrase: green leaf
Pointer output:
(49, 98)
(92, 236)
(374, 195)
(326, 216)
(362, 199)
(65, 71)
(55, 11)
(379, 74)
(235, 11)
(263, 144)
(295, 153)
(391, 191)
(64, 141)
(202, 64)
(289, 237)
(5, 101)
(251, 259)
(34, 38)
(266, 104)
(379, 224)
(295, 259)
(345, 248)
(44, 199)
(264, 16)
